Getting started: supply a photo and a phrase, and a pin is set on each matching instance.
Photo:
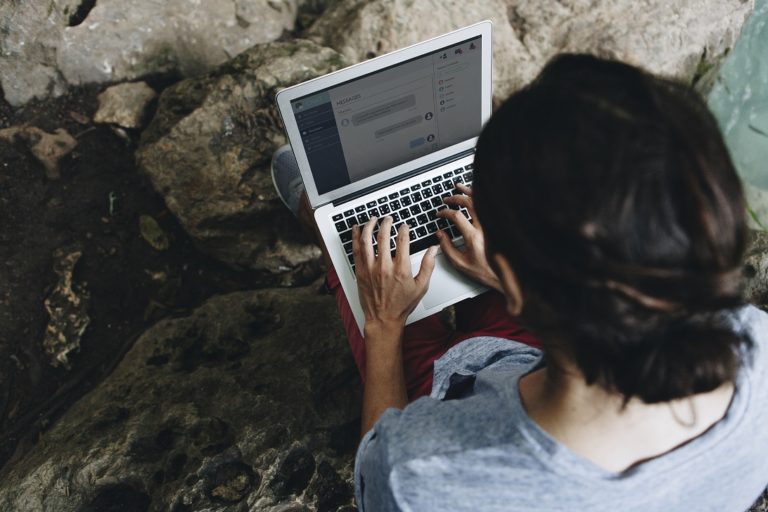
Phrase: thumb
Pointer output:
(427, 266)
(455, 256)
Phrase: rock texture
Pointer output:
(47, 45)
(124, 104)
(756, 269)
(676, 38)
(48, 148)
(227, 409)
(208, 149)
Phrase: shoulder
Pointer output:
(450, 422)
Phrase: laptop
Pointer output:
(393, 136)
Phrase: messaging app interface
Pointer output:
(382, 120)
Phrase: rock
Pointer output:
(49, 45)
(48, 148)
(124, 104)
(216, 411)
(668, 37)
(67, 307)
(362, 29)
(739, 101)
(756, 269)
(152, 232)
(207, 151)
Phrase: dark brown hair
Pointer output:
(611, 193)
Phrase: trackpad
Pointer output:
(446, 283)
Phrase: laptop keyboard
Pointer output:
(416, 206)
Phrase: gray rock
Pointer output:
(250, 403)
(756, 269)
(676, 38)
(117, 40)
(124, 104)
(208, 148)
(362, 29)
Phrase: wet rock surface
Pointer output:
(227, 409)
(208, 149)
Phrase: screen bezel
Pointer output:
(285, 96)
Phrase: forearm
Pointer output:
(384, 380)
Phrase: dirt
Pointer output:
(131, 284)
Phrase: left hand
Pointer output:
(387, 289)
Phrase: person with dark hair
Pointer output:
(615, 366)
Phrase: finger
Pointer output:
(366, 242)
(454, 255)
(464, 201)
(464, 189)
(427, 266)
(403, 254)
(385, 258)
(356, 253)
(458, 218)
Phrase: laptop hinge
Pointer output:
(401, 177)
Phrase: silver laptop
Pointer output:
(393, 136)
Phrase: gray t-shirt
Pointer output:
(471, 446)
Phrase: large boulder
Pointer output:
(250, 403)
(673, 37)
(47, 45)
(208, 149)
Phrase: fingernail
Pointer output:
(439, 234)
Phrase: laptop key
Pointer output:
(469, 167)
(349, 212)
(448, 185)
(442, 223)
(416, 197)
(338, 216)
(370, 204)
(459, 170)
(395, 217)
(406, 201)
(468, 176)
(395, 205)
(360, 208)
(437, 188)
(381, 200)
(432, 215)
(427, 193)
(415, 187)
(437, 178)
(426, 205)
(448, 174)
(426, 183)
(346, 237)
(394, 195)
(352, 221)
(341, 226)
(362, 218)
(412, 237)
(437, 202)
(404, 213)
(458, 179)
(411, 223)
(421, 231)
(348, 248)
(415, 210)
(384, 209)
(431, 227)
(422, 219)
(351, 259)
(373, 212)
(405, 192)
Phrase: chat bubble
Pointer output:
(389, 130)
(383, 110)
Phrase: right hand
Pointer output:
(470, 259)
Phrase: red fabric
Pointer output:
(428, 339)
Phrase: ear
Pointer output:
(510, 284)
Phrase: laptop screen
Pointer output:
(375, 122)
